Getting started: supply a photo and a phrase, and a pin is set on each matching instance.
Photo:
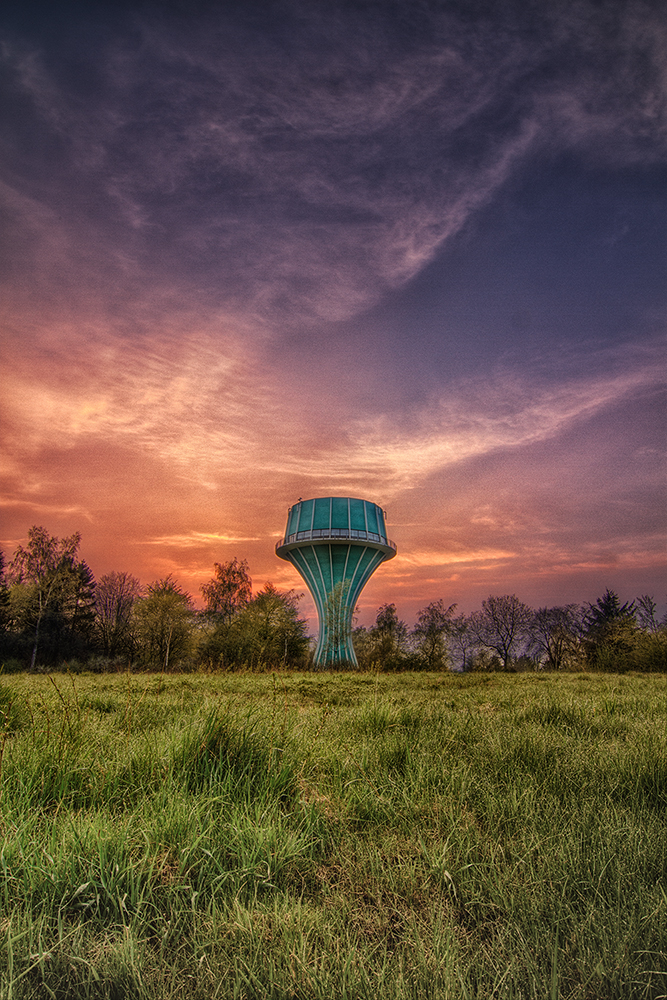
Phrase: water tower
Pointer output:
(336, 544)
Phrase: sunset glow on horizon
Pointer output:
(410, 254)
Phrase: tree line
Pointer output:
(508, 635)
(53, 612)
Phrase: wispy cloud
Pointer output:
(198, 538)
(214, 414)
(479, 416)
(308, 177)
(443, 557)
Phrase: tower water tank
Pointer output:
(336, 544)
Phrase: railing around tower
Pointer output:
(321, 533)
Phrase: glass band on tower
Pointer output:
(336, 544)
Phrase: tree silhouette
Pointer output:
(164, 619)
(229, 590)
(502, 625)
(608, 612)
(48, 570)
(555, 633)
(115, 596)
(434, 623)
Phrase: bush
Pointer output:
(650, 653)
(486, 662)
(646, 653)
(12, 666)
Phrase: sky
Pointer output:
(414, 252)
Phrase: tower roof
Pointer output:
(336, 520)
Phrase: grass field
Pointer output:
(330, 836)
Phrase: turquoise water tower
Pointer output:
(336, 544)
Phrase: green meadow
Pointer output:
(309, 835)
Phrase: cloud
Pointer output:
(306, 171)
(198, 538)
(480, 415)
(222, 417)
(443, 557)
(610, 104)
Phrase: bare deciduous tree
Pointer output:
(502, 626)
(647, 614)
(114, 600)
(555, 634)
(462, 639)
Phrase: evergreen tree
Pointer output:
(611, 631)
(608, 613)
